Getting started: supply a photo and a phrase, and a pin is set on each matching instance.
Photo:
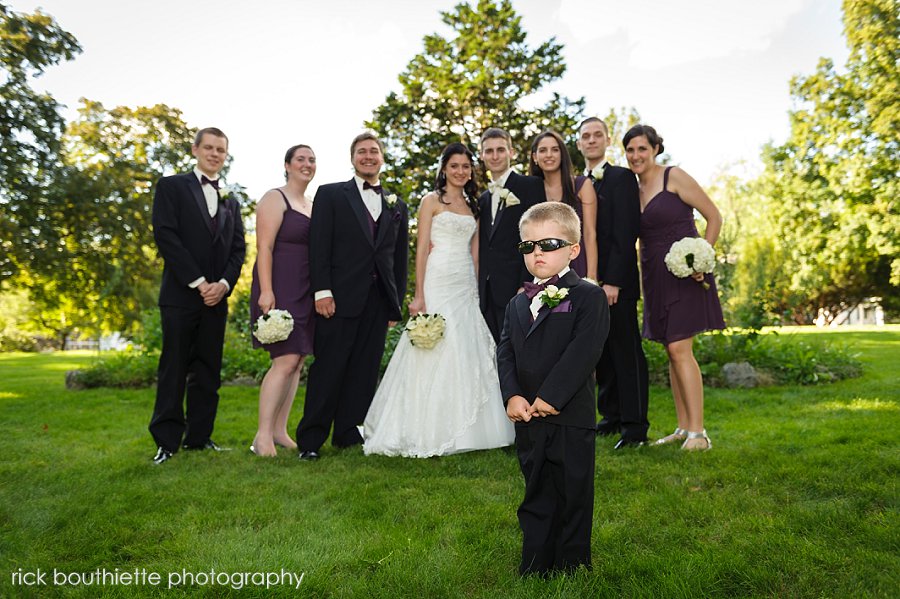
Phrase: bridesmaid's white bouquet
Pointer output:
(690, 255)
(273, 327)
(425, 330)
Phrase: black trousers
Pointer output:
(344, 374)
(556, 515)
(191, 361)
(493, 314)
(623, 393)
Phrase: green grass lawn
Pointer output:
(798, 498)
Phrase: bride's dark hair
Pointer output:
(470, 190)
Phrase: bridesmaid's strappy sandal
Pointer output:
(691, 436)
(679, 435)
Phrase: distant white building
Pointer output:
(868, 311)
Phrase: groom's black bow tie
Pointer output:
(213, 182)
(532, 289)
(375, 188)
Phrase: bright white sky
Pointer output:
(711, 75)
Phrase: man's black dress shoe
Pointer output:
(162, 456)
(623, 442)
(210, 444)
(309, 455)
(604, 429)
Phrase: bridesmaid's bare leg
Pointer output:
(678, 396)
(272, 392)
(281, 435)
(687, 373)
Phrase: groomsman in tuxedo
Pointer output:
(622, 371)
(359, 239)
(200, 237)
(501, 269)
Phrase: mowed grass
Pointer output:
(798, 498)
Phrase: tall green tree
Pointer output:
(93, 258)
(832, 188)
(483, 76)
(30, 123)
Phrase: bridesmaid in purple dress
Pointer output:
(281, 280)
(550, 161)
(674, 309)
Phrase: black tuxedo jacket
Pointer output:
(618, 226)
(554, 357)
(343, 255)
(191, 247)
(498, 258)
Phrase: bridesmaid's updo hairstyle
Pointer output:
(470, 190)
(289, 155)
(647, 131)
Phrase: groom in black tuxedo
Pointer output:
(359, 240)
(501, 269)
(200, 237)
(623, 394)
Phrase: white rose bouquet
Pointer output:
(691, 255)
(273, 327)
(425, 330)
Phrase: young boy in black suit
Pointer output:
(553, 334)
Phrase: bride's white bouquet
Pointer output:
(690, 255)
(273, 327)
(425, 330)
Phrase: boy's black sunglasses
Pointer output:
(546, 245)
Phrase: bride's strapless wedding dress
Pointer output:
(446, 399)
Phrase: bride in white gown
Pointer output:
(446, 399)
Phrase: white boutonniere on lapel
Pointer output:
(552, 295)
(597, 172)
(390, 199)
(229, 191)
(508, 198)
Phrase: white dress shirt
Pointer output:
(495, 186)
(209, 193)
(370, 198)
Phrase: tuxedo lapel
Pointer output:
(523, 312)
(542, 315)
(221, 216)
(602, 182)
(384, 220)
(496, 224)
(351, 192)
(200, 201)
(501, 208)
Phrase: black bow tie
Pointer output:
(375, 188)
(213, 182)
(532, 289)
